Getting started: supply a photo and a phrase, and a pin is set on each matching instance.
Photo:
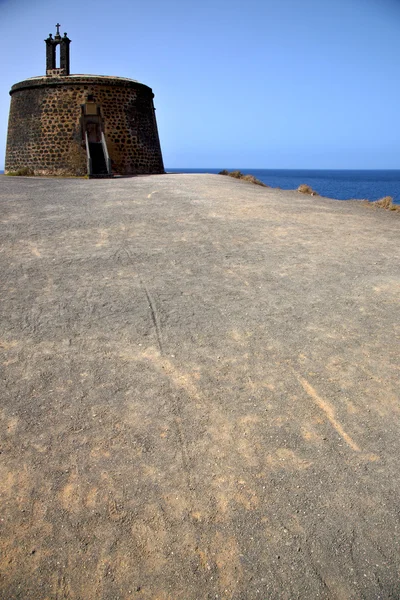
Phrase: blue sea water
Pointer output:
(340, 185)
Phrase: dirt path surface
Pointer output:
(200, 392)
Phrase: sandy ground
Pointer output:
(199, 392)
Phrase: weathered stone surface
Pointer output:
(45, 125)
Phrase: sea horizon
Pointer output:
(337, 184)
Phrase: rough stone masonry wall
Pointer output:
(45, 131)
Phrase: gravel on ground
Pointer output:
(199, 392)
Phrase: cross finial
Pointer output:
(58, 28)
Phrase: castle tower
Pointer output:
(63, 124)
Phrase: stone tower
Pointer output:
(63, 124)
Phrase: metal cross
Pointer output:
(58, 28)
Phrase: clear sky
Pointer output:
(237, 83)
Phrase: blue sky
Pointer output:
(248, 84)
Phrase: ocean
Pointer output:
(340, 185)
